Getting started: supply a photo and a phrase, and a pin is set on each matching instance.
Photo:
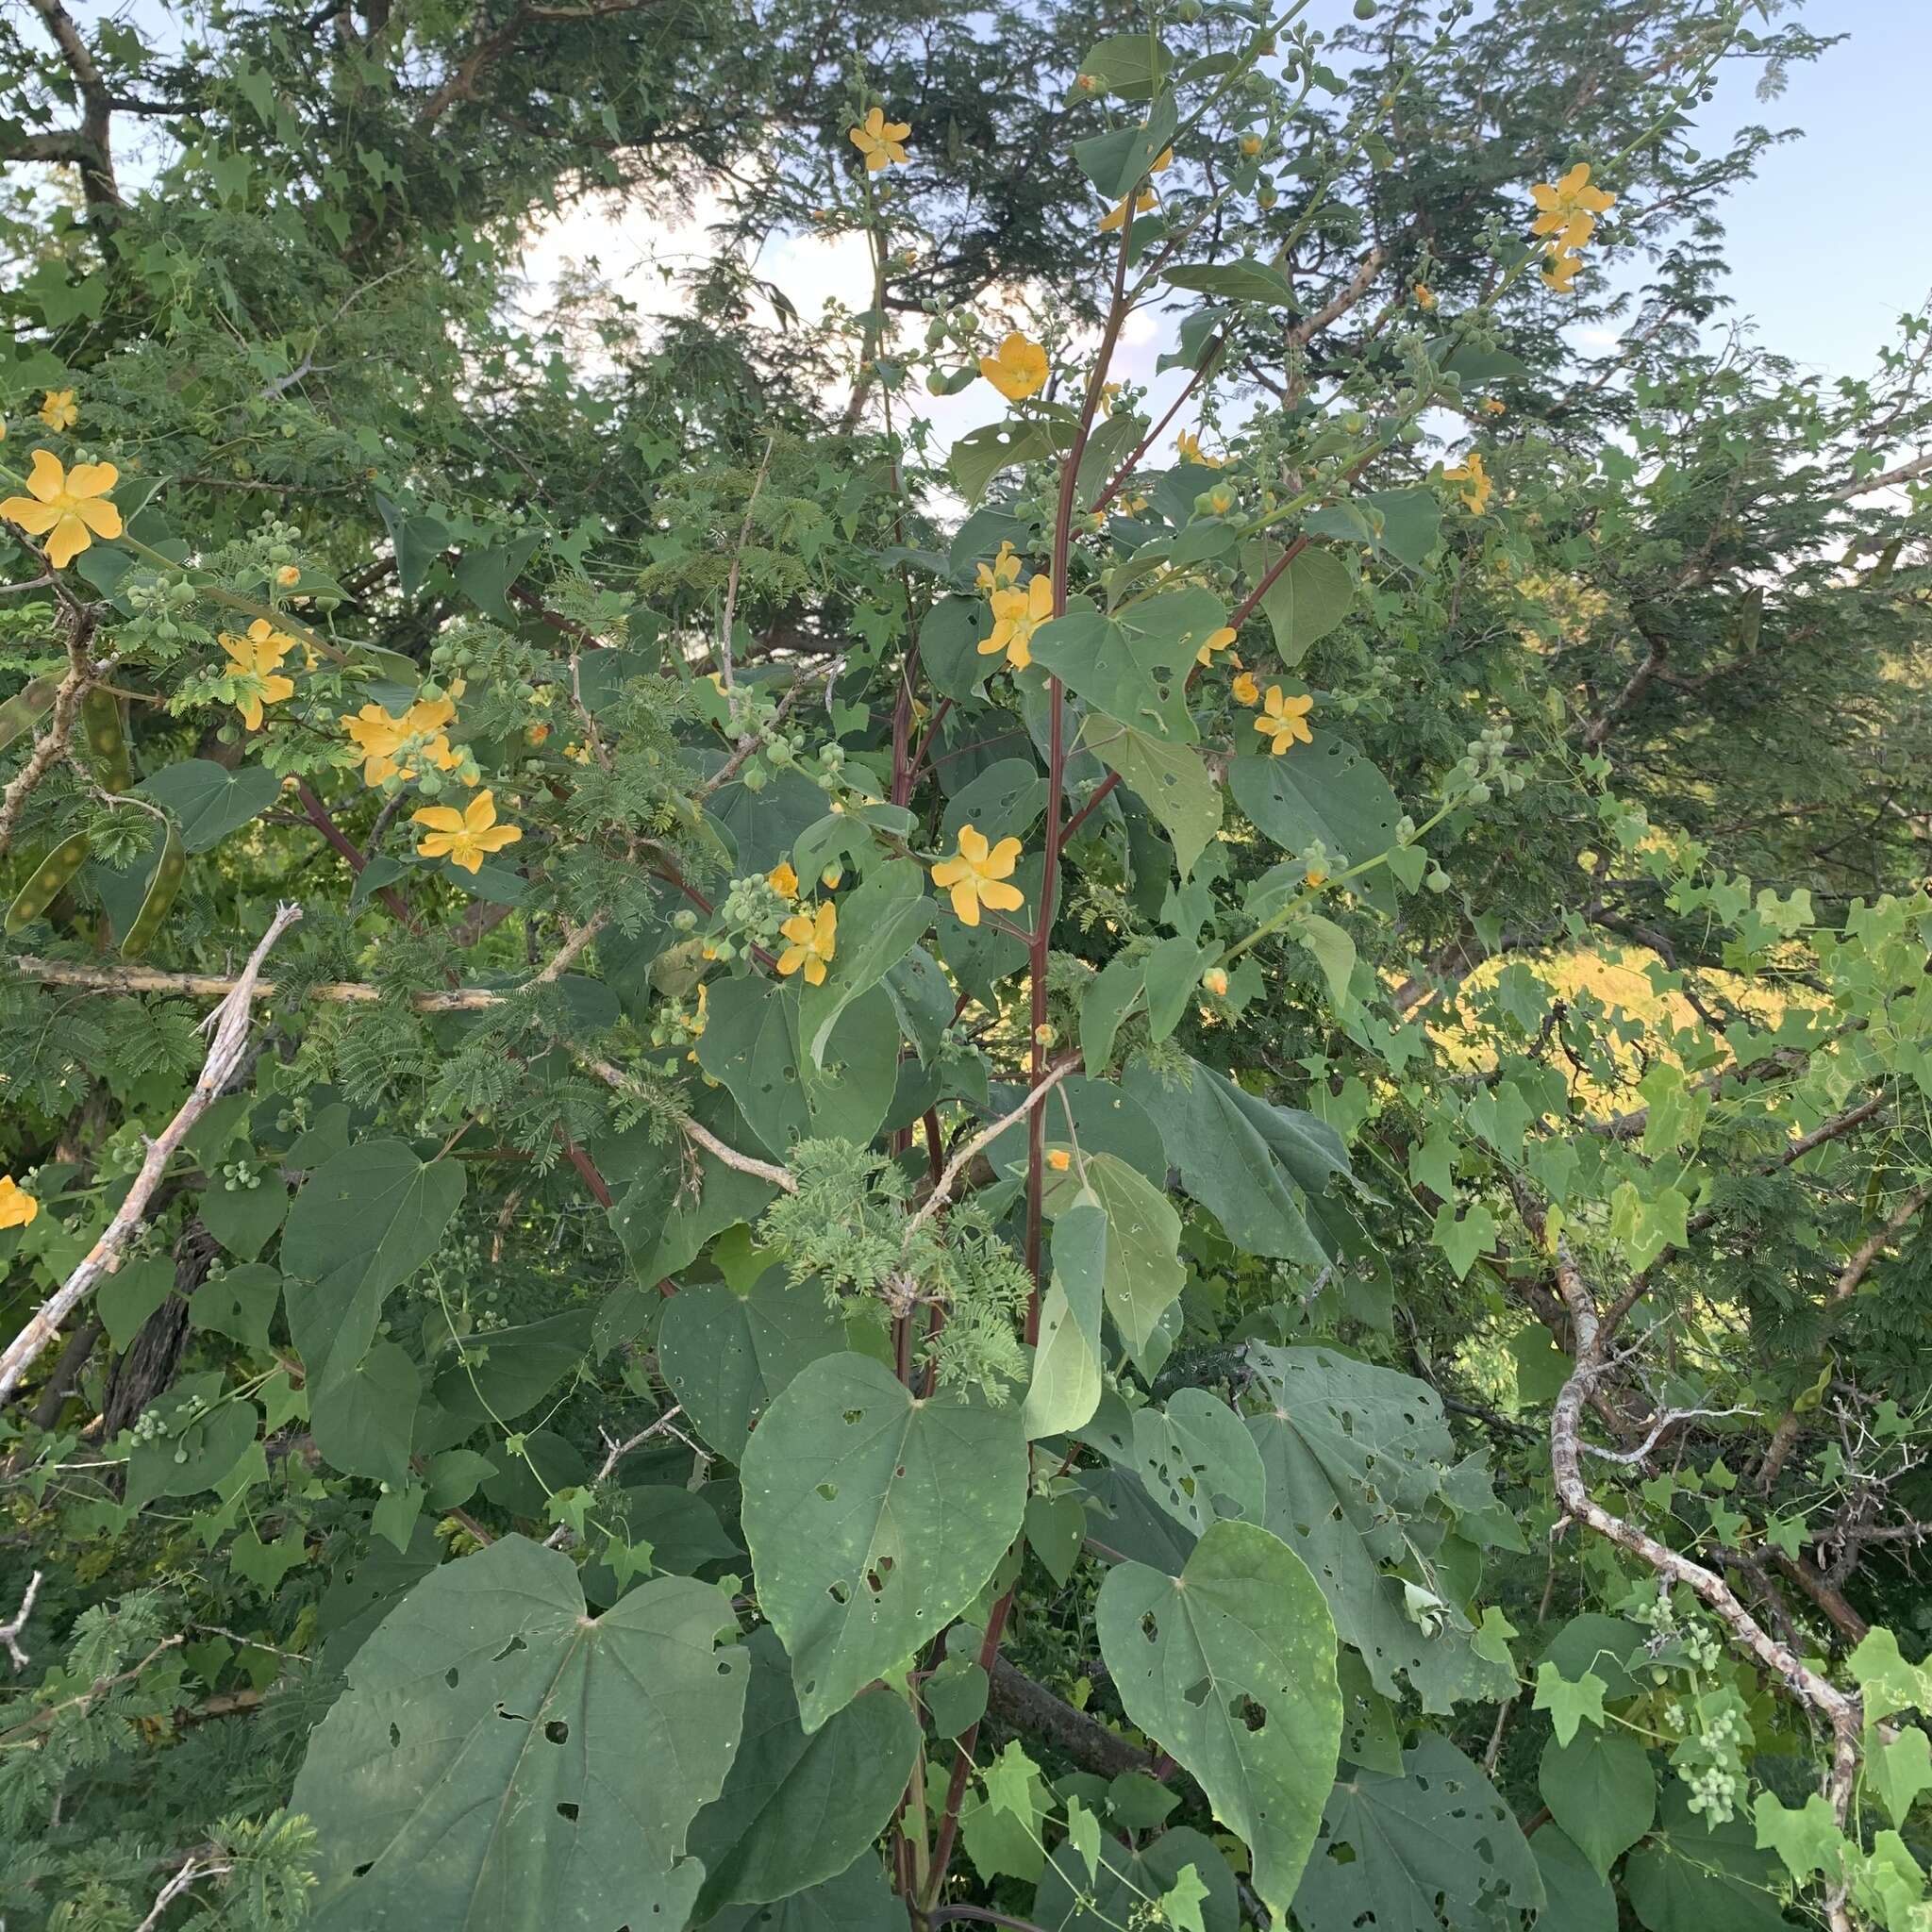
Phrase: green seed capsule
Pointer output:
(159, 896)
(45, 887)
(107, 738)
(20, 712)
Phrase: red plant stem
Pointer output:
(962, 1765)
(1245, 608)
(588, 1168)
(1100, 792)
(318, 816)
(925, 737)
(1203, 370)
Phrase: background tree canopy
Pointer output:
(1163, 1164)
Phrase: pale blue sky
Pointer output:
(1829, 244)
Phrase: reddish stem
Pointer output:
(318, 816)
(962, 1765)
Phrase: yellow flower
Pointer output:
(1108, 392)
(1251, 146)
(783, 880)
(1001, 574)
(59, 412)
(1161, 162)
(380, 735)
(70, 504)
(1133, 505)
(1245, 690)
(813, 939)
(255, 662)
(1561, 270)
(1215, 981)
(1017, 614)
(464, 837)
(1221, 499)
(1058, 1159)
(1569, 208)
(879, 141)
(832, 877)
(974, 877)
(288, 576)
(17, 1208)
(1285, 721)
(1186, 445)
(1221, 640)
(1477, 484)
(1116, 219)
(1017, 368)
(1425, 296)
(1494, 406)
(1315, 876)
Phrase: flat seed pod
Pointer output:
(50, 875)
(20, 712)
(107, 740)
(169, 872)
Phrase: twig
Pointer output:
(1860, 1263)
(195, 1868)
(692, 1130)
(10, 1633)
(751, 502)
(984, 1140)
(52, 744)
(559, 1538)
(228, 1025)
(1669, 1420)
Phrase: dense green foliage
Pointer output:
(1163, 1166)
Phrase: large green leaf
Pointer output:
(1198, 1461)
(1437, 1847)
(1229, 1164)
(208, 800)
(662, 1222)
(1305, 602)
(874, 1518)
(364, 1222)
(726, 1355)
(1143, 1272)
(504, 1372)
(1324, 791)
(502, 1759)
(1694, 1878)
(1171, 779)
(752, 1042)
(797, 1810)
(1576, 1900)
(1356, 1457)
(859, 1900)
(1067, 1364)
(1133, 666)
(1601, 1789)
(1250, 279)
(362, 1415)
(1230, 1667)
(879, 924)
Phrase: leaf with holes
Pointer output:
(1231, 1668)
(1198, 1461)
(502, 1759)
(726, 1355)
(1143, 1274)
(1133, 666)
(1326, 789)
(1433, 1847)
(797, 1810)
(1169, 780)
(1356, 1457)
(874, 1518)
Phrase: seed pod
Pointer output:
(169, 872)
(20, 712)
(45, 887)
(107, 738)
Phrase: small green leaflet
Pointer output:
(1569, 1704)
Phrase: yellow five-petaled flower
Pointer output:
(70, 508)
(783, 879)
(1477, 484)
(1186, 445)
(1017, 368)
(881, 141)
(810, 939)
(1017, 614)
(380, 735)
(1221, 640)
(60, 410)
(1285, 721)
(254, 663)
(1246, 689)
(17, 1207)
(1002, 573)
(464, 837)
(1569, 206)
(974, 877)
